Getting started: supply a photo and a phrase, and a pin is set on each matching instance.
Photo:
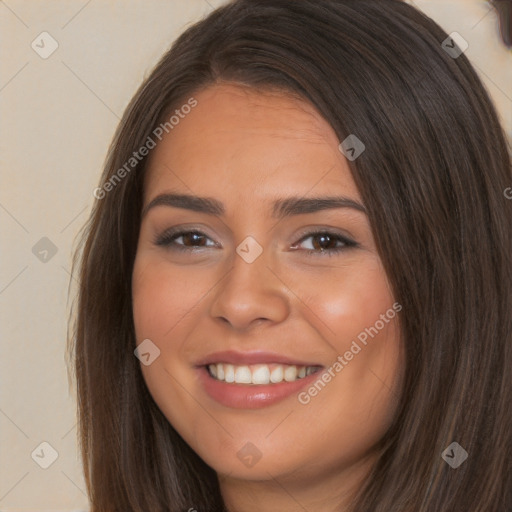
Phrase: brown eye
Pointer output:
(325, 242)
(193, 239)
(183, 240)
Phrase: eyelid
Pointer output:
(168, 237)
(316, 230)
(177, 232)
(348, 242)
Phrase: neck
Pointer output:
(333, 491)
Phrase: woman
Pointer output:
(295, 285)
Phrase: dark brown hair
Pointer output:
(432, 178)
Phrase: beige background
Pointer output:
(57, 118)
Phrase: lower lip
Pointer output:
(247, 396)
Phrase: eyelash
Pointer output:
(167, 239)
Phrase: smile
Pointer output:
(253, 379)
(259, 374)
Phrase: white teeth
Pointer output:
(277, 374)
(259, 374)
(229, 373)
(243, 375)
(290, 373)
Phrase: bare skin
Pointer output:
(246, 149)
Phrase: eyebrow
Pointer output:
(281, 208)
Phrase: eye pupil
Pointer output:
(322, 238)
(193, 237)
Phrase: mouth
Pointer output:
(253, 380)
(259, 374)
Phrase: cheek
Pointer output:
(348, 300)
(163, 296)
(355, 313)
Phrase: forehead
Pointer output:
(242, 142)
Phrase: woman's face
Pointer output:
(279, 348)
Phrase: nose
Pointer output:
(249, 294)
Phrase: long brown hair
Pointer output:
(432, 178)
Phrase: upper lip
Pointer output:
(252, 357)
